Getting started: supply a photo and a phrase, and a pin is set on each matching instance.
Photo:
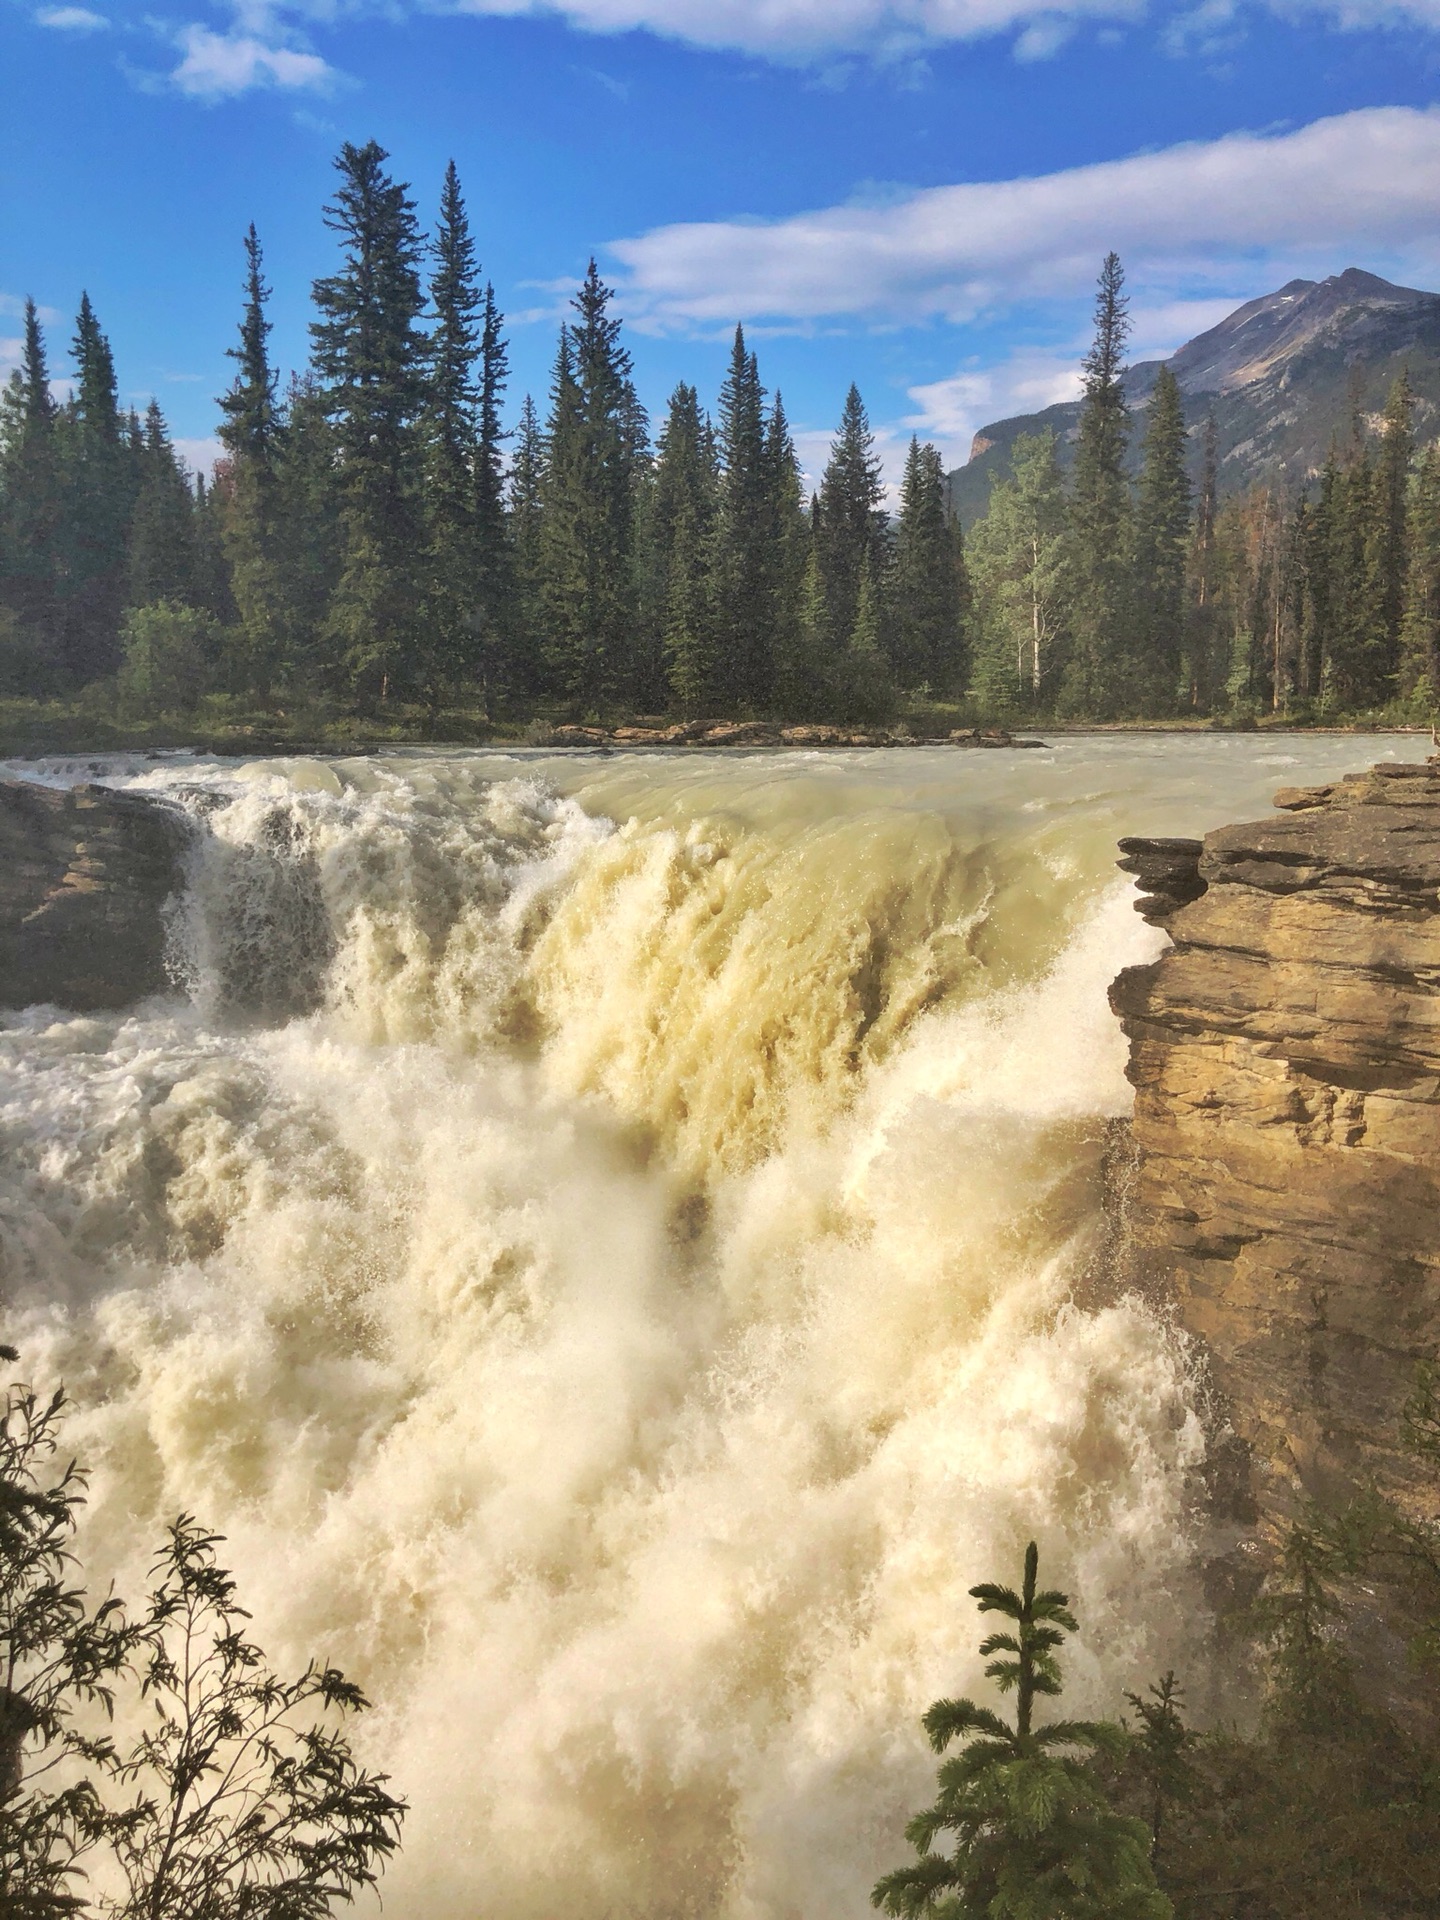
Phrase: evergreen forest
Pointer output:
(384, 547)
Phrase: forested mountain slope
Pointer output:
(1282, 376)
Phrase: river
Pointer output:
(611, 1241)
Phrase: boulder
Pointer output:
(84, 876)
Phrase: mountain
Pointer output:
(1282, 376)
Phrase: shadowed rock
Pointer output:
(84, 875)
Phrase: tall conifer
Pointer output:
(746, 551)
(1099, 680)
(851, 524)
(31, 509)
(100, 484)
(250, 431)
(1162, 540)
(929, 586)
(370, 354)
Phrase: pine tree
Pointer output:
(595, 456)
(1420, 629)
(1198, 677)
(309, 484)
(746, 539)
(495, 585)
(1098, 681)
(683, 512)
(370, 352)
(851, 525)
(864, 682)
(454, 643)
(929, 585)
(161, 548)
(1034, 1835)
(523, 517)
(1162, 540)
(1392, 487)
(251, 432)
(99, 492)
(798, 676)
(31, 508)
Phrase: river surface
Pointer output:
(608, 1240)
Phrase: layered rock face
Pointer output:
(1285, 1054)
(83, 877)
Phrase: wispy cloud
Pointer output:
(71, 19)
(1196, 219)
(217, 66)
(818, 31)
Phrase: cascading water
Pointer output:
(604, 1241)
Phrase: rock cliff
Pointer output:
(1285, 1053)
(84, 874)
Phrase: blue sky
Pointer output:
(914, 194)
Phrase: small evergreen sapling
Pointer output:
(1035, 1838)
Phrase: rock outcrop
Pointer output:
(1285, 1053)
(84, 874)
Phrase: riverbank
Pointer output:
(30, 729)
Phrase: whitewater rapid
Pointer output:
(614, 1245)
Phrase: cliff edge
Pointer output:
(1285, 1054)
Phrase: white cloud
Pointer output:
(71, 19)
(200, 455)
(801, 30)
(217, 65)
(1195, 218)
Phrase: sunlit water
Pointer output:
(611, 1242)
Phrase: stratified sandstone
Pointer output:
(1285, 1054)
(84, 874)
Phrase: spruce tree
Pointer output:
(161, 547)
(1099, 679)
(595, 458)
(929, 585)
(453, 644)
(370, 354)
(31, 509)
(798, 677)
(251, 433)
(1162, 540)
(1198, 678)
(495, 584)
(1392, 487)
(863, 681)
(746, 541)
(1420, 628)
(523, 520)
(851, 525)
(683, 513)
(309, 486)
(100, 478)
(1035, 1838)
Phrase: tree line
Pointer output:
(374, 533)
(375, 536)
(1096, 597)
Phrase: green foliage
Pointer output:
(245, 1804)
(238, 1798)
(169, 655)
(1035, 1837)
(58, 1658)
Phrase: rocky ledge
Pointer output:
(1285, 1054)
(84, 874)
(761, 733)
